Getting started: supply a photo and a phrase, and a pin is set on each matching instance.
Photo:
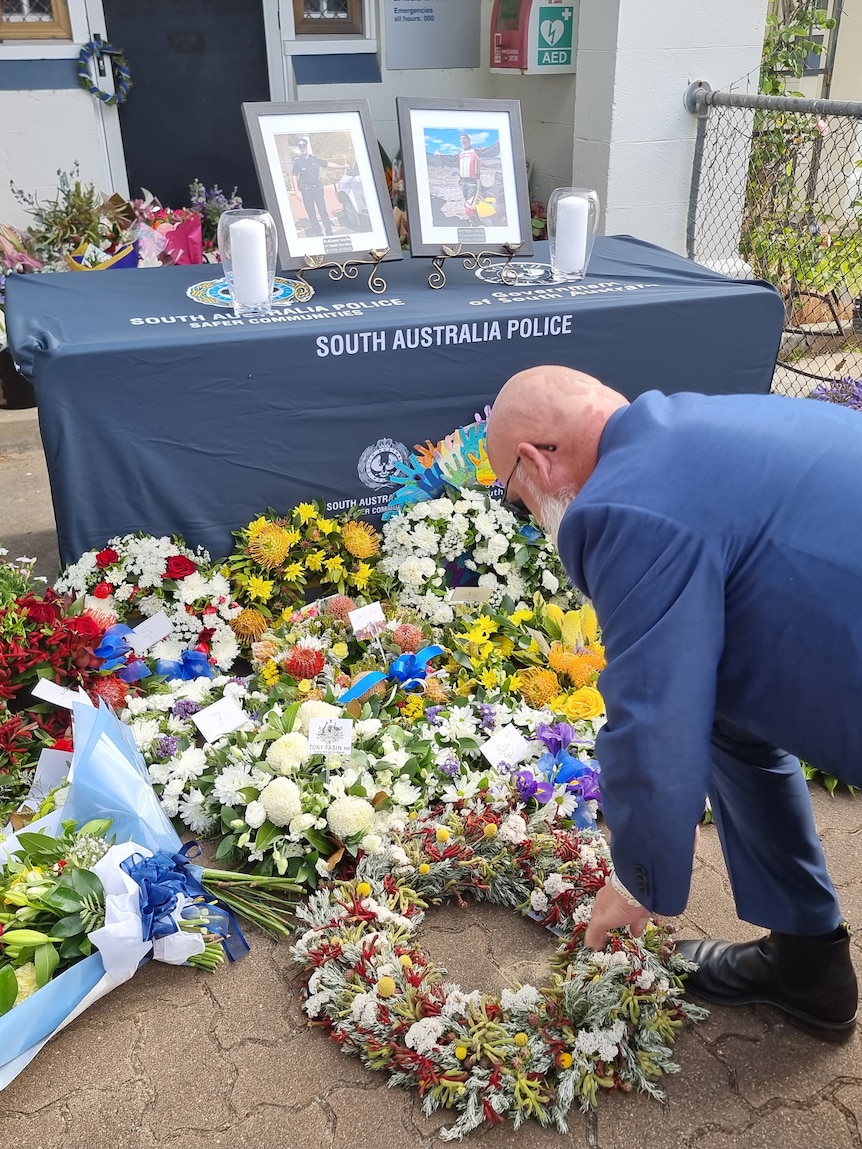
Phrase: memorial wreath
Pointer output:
(606, 1020)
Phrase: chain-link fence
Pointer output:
(777, 194)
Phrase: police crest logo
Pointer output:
(377, 463)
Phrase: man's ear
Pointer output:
(540, 464)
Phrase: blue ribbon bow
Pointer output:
(408, 669)
(191, 664)
(161, 879)
(115, 649)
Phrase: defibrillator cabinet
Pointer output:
(534, 37)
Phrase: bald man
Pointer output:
(720, 541)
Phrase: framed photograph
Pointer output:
(465, 175)
(322, 180)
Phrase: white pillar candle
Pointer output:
(570, 247)
(248, 262)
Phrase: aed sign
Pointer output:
(554, 39)
(533, 37)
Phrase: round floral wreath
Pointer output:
(606, 1021)
(119, 67)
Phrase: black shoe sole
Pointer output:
(837, 1032)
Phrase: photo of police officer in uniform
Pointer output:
(325, 192)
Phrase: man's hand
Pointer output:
(610, 911)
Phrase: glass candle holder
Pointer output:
(573, 217)
(247, 244)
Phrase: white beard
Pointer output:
(549, 509)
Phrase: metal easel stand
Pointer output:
(471, 261)
(349, 269)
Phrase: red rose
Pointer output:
(103, 590)
(63, 744)
(179, 567)
(39, 610)
(106, 557)
(83, 626)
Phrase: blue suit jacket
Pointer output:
(720, 540)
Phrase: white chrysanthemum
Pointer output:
(282, 801)
(230, 781)
(349, 816)
(255, 814)
(288, 752)
(371, 844)
(405, 793)
(195, 812)
(316, 709)
(145, 732)
(159, 772)
(190, 764)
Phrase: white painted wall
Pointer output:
(847, 75)
(547, 103)
(41, 133)
(634, 140)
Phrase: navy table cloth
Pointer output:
(165, 415)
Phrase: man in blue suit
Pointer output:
(720, 541)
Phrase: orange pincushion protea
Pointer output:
(249, 624)
(408, 637)
(579, 666)
(434, 692)
(340, 606)
(538, 686)
(110, 688)
(304, 662)
(360, 539)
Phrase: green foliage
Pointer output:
(788, 43)
(77, 214)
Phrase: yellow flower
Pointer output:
(360, 539)
(327, 526)
(361, 576)
(314, 560)
(413, 708)
(520, 616)
(442, 834)
(363, 889)
(490, 830)
(259, 588)
(269, 546)
(386, 986)
(287, 614)
(406, 960)
(292, 535)
(335, 566)
(25, 975)
(583, 703)
(306, 686)
(293, 572)
(270, 674)
(424, 868)
(489, 678)
(589, 624)
(460, 1052)
(481, 628)
(307, 512)
(339, 649)
(538, 686)
(564, 1060)
(521, 1039)
(505, 646)
(249, 624)
(465, 688)
(255, 527)
(579, 666)
(514, 682)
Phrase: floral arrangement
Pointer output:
(135, 577)
(464, 538)
(167, 235)
(279, 561)
(209, 205)
(14, 257)
(606, 1021)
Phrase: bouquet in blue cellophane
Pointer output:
(91, 891)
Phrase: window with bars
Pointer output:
(34, 20)
(328, 17)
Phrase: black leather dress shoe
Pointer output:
(810, 979)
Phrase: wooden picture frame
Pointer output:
(465, 176)
(321, 214)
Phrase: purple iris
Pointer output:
(559, 737)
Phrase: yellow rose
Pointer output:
(583, 703)
(339, 649)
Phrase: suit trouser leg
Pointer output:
(765, 822)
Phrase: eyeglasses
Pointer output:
(515, 506)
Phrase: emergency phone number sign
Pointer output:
(432, 34)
